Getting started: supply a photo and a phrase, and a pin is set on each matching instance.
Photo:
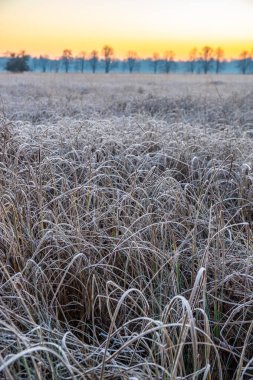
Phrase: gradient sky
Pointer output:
(146, 26)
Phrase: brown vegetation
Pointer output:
(126, 228)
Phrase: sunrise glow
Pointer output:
(49, 26)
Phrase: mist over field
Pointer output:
(126, 226)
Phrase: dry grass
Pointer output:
(126, 227)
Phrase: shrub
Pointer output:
(18, 63)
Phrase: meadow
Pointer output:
(126, 242)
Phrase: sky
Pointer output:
(145, 26)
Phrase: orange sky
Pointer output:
(146, 26)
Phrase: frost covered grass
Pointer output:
(126, 242)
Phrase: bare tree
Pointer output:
(66, 58)
(108, 54)
(219, 55)
(10, 54)
(206, 58)
(244, 61)
(193, 60)
(35, 62)
(155, 61)
(56, 63)
(169, 59)
(44, 60)
(81, 57)
(93, 60)
(131, 60)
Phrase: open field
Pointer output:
(126, 214)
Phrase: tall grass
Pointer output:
(126, 248)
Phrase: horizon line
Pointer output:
(161, 56)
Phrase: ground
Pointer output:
(126, 226)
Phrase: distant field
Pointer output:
(40, 97)
(126, 214)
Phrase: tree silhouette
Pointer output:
(108, 54)
(206, 58)
(56, 65)
(18, 63)
(193, 60)
(66, 58)
(81, 58)
(93, 60)
(219, 55)
(131, 60)
(244, 61)
(155, 62)
(44, 62)
(169, 61)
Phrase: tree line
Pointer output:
(205, 60)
